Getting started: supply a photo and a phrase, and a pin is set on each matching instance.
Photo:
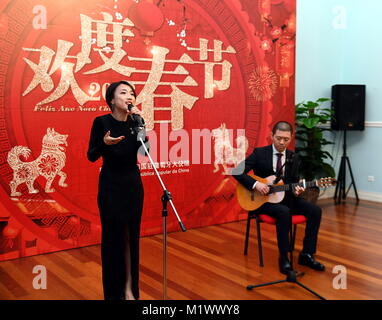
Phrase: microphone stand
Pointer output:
(291, 275)
(166, 198)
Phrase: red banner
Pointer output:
(212, 76)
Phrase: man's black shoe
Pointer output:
(306, 259)
(284, 265)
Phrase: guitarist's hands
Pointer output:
(298, 190)
(262, 188)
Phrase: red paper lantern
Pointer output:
(146, 16)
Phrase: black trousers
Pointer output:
(282, 211)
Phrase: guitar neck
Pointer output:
(291, 186)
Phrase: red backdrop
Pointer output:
(211, 65)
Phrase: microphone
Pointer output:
(140, 124)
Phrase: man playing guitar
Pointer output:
(276, 159)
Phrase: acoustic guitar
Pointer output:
(252, 199)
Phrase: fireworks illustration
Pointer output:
(263, 83)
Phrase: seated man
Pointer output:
(267, 161)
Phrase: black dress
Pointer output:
(120, 202)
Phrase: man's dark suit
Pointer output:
(261, 162)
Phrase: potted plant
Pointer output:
(311, 122)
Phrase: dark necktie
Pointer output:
(278, 164)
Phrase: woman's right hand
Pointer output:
(110, 140)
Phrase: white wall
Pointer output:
(338, 42)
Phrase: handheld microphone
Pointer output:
(137, 118)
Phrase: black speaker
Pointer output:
(348, 104)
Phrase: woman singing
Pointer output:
(120, 192)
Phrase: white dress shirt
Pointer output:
(274, 161)
(275, 152)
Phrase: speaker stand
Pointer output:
(340, 193)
